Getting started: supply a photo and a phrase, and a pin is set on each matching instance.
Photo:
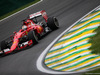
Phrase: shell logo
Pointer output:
(15, 42)
(40, 29)
(29, 23)
(26, 32)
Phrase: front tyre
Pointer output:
(52, 23)
(32, 36)
(3, 45)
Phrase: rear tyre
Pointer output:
(52, 23)
(32, 36)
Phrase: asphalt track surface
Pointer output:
(24, 62)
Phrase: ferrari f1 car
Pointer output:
(32, 30)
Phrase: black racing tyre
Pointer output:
(3, 45)
(52, 23)
(32, 36)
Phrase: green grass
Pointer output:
(95, 40)
(12, 12)
(94, 72)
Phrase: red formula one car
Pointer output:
(32, 30)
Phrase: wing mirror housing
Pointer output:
(14, 32)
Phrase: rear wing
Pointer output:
(40, 13)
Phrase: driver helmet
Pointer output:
(24, 23)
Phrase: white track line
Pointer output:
(21, 10)
(71, 47)
(75, 40)
(82, 25)
(83, 65)
(67, 55)
(40, 60)
(90, 17)
(69, 36)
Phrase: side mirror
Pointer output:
(11, 37)
(15, 32)
(21, 30)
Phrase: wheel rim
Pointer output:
(56, 22)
